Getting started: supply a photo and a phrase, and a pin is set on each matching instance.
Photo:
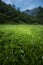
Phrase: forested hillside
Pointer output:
(10, 15)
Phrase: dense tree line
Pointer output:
(10, 15)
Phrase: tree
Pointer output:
(13, 6)
(18, 9)
(40, 13)
(0, 0)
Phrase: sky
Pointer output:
(25, 4)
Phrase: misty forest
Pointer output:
(21, 34)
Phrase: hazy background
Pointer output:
(25, 4)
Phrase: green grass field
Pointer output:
(21, 45)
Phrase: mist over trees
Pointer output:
(10, 15)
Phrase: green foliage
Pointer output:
(21, 45)
(40, 14)
(10, 15)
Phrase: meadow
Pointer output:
(21, 44)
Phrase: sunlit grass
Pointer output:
(21, 44)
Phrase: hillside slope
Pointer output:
(35, 11)
(32, 12)
(10, 15)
